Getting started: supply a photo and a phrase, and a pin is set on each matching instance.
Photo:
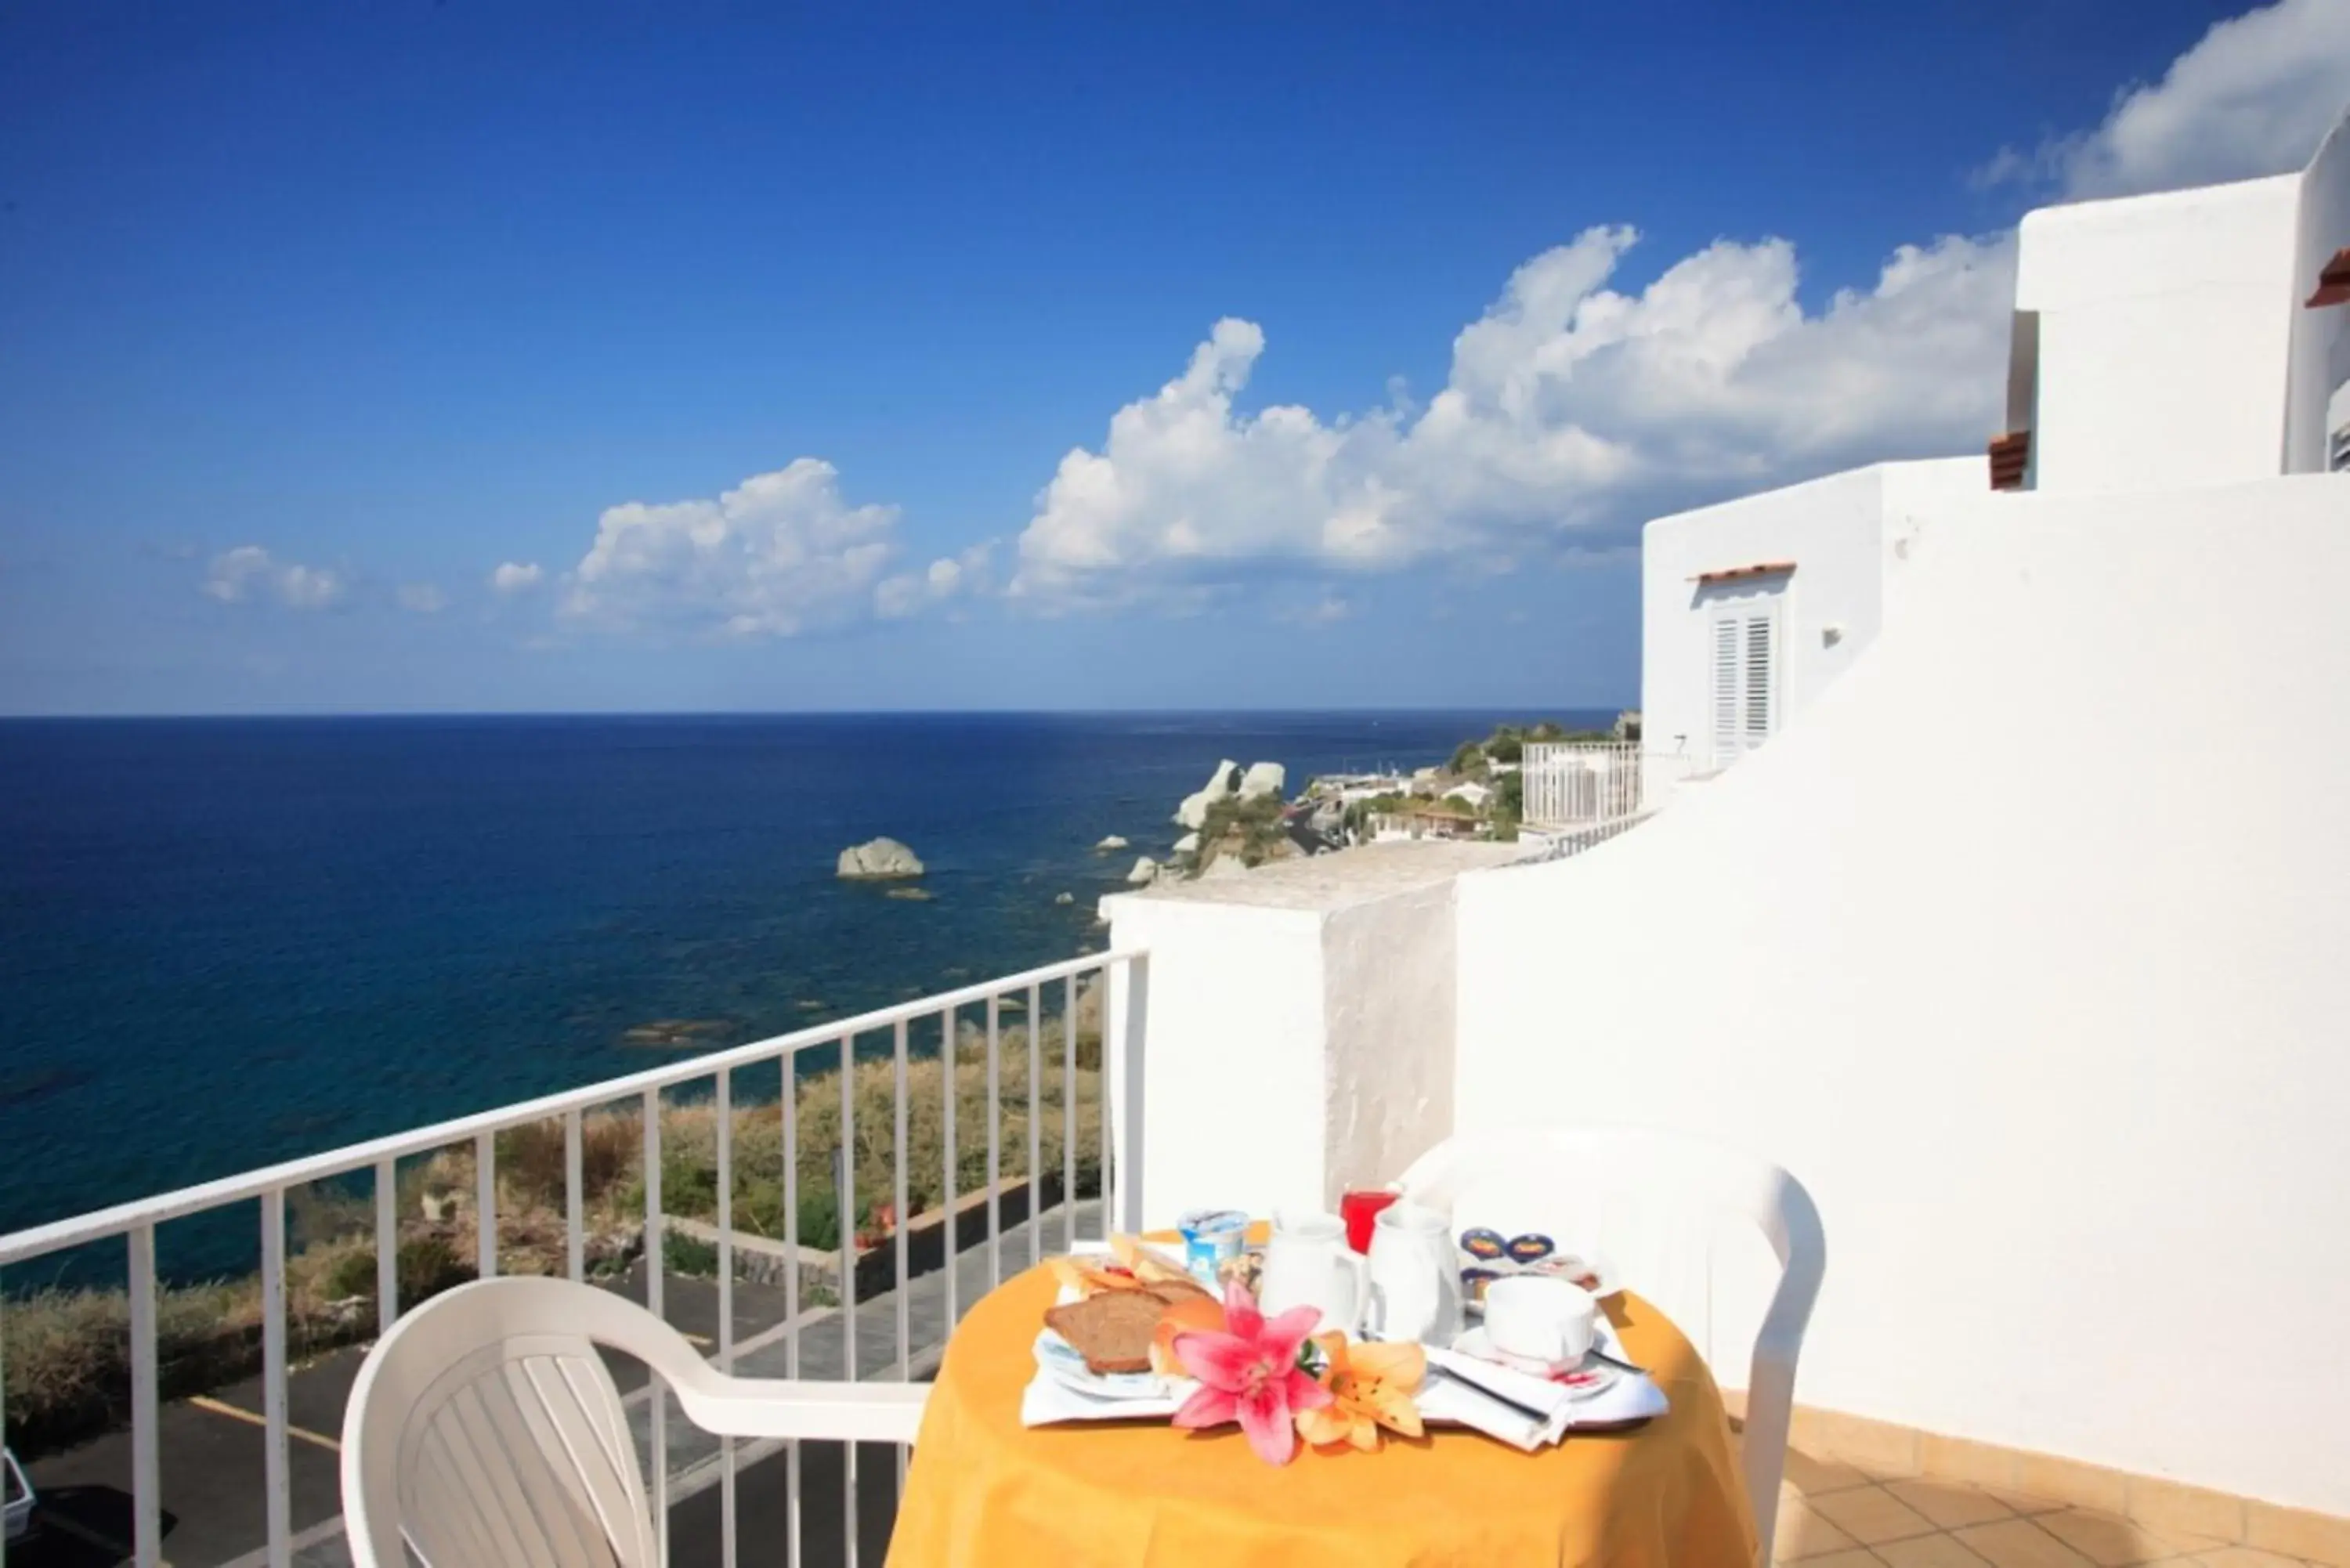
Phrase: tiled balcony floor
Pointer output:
(1835, 1515)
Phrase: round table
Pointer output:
(985, 1490)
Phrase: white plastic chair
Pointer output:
(1652, 1204)
(485, 1432)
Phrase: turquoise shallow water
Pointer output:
(225, 942)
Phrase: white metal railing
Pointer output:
(1577, 784)
(1568, 784)
(1560, 843)
(1122, 977)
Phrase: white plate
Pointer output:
(1059, 1360)
(1582, 1379)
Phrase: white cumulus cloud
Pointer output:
(1573, 408)
(423, 599)
(779, 554)
(250, 572)
(2254, 95)
(1570, 407)
(515, 577)
(948, 577)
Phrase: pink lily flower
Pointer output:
(1250, 1374)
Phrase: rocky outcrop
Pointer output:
(1223, 782)
(1187, 844)
(1262, 779)
(1112, 842)
(1145, 872)
(879, 857)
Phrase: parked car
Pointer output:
(18, 1494)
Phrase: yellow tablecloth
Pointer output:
(986, 1492)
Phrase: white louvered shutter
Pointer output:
(1725, 690)
(1760, 719)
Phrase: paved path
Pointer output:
(212, 1447)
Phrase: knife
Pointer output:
(1621, 1366)
(1528, 1411)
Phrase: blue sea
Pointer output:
(227, 942)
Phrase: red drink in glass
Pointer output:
(1359, 1207)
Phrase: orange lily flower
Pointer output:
(1371, 1387)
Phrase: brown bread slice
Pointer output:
(1112, 1330)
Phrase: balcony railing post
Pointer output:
(898, 1204)
(1035, 1130)
(387, 1245)
(995, 1137)
(726, 1548)
(846, 1156)
(1069, 1112)
(277, 1477)
(146, 1475)
(952, 1228)
(485, 1204)
(656, 1264)
(792, 1297)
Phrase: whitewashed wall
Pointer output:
(2165, 324)
(2022, 947)
(1841, 532)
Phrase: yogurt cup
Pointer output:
(1212, 1238)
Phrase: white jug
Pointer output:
(1308, 1263)
(1415, 1276)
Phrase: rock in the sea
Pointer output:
(1112, 842)
(1064, 898)
(673, 1031)
(912, 895)
(1187, 844)
(1145, 872)
(1265, 778)
(1193, 811)
(880, 857)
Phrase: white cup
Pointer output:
(1539, 1319)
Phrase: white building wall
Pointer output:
(2166, 325)
(2058, 1043)
(2321, 338)
(1844, 533)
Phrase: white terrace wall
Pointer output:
(2023, 948)
(2166, 326)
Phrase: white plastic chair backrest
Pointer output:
(484, 1430)
(1654, 1205)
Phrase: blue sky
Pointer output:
(312, 320)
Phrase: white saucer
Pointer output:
(1582, 1377)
